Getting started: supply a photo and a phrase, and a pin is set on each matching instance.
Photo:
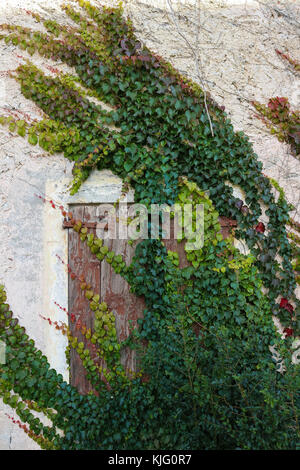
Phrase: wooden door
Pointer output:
(111, 287)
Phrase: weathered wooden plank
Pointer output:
(227, 226)
(81, 261)
(172, 244)
(127, 307)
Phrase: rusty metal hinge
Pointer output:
(92, 225)
(68, 224)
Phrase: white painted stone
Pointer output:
(101, 187)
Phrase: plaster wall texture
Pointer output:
(235, 45)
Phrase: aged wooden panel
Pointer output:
(127, 307)
(81, 261)
(173, 245)
(227, 225)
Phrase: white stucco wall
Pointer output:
(236, 42)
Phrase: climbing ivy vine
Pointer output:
(207, 378)
(282, 121)
(278, 116)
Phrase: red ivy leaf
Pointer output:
(260, 228)
(286, 305)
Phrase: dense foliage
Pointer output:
(207, 377)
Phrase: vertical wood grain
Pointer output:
(127, 307)
(81, 261)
